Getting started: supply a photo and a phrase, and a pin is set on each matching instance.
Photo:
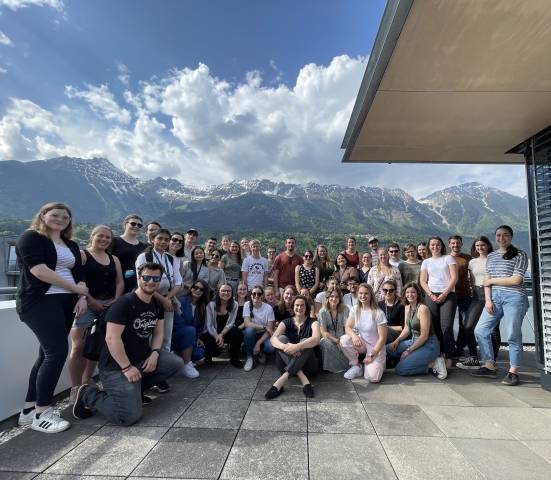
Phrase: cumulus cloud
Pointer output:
(124, 74)
(101, 101)
(17, 4)
(5, 40)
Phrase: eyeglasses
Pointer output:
(256, 294)
(388, 290)
(307, 256)
(198, 288)
(176, 240)
(136, 224)
(214, 256)
(151, 278)
(393, 251)
(225, 291)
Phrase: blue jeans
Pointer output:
(250, 336)
(417, 362)
(185, 337)
(511, 307)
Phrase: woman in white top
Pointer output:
(258, 318)
(477, 273)
(382, 272)
(438, 278)
(365, 333)
(196, 268)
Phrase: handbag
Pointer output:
(95, 337)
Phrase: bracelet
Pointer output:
(158, 350)
(128, 367)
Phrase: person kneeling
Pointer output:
(295, 340)
(422, 352)
(132, 359)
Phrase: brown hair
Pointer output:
(38, 224)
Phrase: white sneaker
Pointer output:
(26, 419)
(440, 368)
(73, 394)
(248, 364)
(50, 422)
(353, 372)
(189, 371)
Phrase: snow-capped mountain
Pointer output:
(100, 192)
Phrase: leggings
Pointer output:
(50, 319)
(305, 362)
(442, 316)
(473, 314)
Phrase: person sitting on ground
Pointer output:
(332, 318)
(220, 326)
(132, 359)
(306, 294)
(420, 353)
(365, 333)
(270, 296)
(394, 310)
(259, 325)
(242, 297)
(284, 309)
(296, 339)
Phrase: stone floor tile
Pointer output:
(53, 476)
(329, 377)
(164, 410)
(334, 392)
(188, 453)
(16, 476)
(291, 393)
(499, 459)
(534, 396)
(110, 451)
(466, 422)
(384, 393)
(414, 458)
(401, 420)
(433, 394)
(236, 389)
(276, 417)
(229, 371)
(523, 423)
(346, 456)
(34, 451)
(487, 396)
(541, 447)
(185, 387)
(338, 418)
(214, 413)
(268, 456)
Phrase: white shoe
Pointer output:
(26, 419)
(248, 364)
(50, 422)
(189, 371)
(440, 368)
(73, 394)
(353, 372)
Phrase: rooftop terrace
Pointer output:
(220, 426)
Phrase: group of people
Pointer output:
(171, 305)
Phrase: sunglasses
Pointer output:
(151, 278)
(214, 256)
(199, 288)
(388, 290)
(136, 224)
(256, 294)
(176, 240)
(307, 256)
(393, 251)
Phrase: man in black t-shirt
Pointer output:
(132, 359)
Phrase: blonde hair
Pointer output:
(39, 226)
(372, 303)
(95, 230)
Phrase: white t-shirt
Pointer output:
(255, 268)
(349, 300)
(438, 270)
(261, 316)
(320, 298)
(366, 327)
(477, 266)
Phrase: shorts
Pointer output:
(86, 319)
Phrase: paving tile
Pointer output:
(523, 423)
(52, 476)
(291, 393)
(338, 418)
(487, 396)
(214, 413)
(329, 377)
(346, 456)
(16, 476)
(466, 422)
(541, 447)
(229, 371)
(241, 389)
(433, 394)
(164, 410)
(111, 451)
(384, 393)
(186, 387)
(334, 392)
(34, 451)
(276, 417)
(401, 420)
(188, 452)
(267, 455)
(534, 396)
(93, 421)
(413, 458)
(498, 459)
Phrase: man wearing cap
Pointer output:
(374, 245)
(189, 242)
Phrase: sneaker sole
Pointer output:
(50, 430)
(24, 423)
(466, 367)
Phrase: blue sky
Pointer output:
(204, 91)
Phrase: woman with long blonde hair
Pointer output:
(382, 272)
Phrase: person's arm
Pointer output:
(297, 278)
(312, 341)
(379, 345)
(150, 363)
(314, 289)
(119, 281)
(210, 322)
(451, 284)
(47, 275)
(164, 301)
(423, 314)
(424, 281)
(348, 329)
(511, 281)
(280, 330)
(116, 349)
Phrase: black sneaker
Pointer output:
(236, 362)
(161, 387)
(146, 400)
(469, 363)
(80, 411)
(273, 393)
(510, 379)
(308, 390)
(484, 372)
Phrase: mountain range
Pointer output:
(100, 192)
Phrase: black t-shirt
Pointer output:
(294, 334)
(394, 315)
(139, 319)
(281, 316)
(127, 255)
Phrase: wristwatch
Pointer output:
(158, 350)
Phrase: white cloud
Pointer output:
(101, 101)
(5, 40)
(124, 74)
(3, 70)
(17, 4)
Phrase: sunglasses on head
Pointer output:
(136, 224)
(177, 240)
(151, 278)
(388, 290)
(198, 287)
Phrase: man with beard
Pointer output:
(285, 264)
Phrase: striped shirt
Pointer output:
(65, 261)
(497, 266)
